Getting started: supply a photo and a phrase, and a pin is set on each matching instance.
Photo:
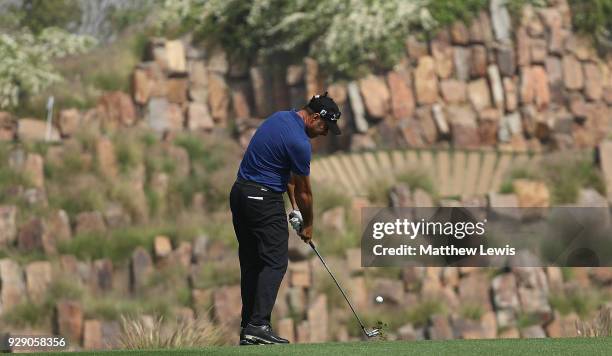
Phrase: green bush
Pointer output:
(471, 311)
(117, 245)
(594, 18)
(581, 302)
(215, 274)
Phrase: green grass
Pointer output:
(582, 302)
(569, 346)
(118, 245)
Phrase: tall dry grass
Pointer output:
(138, 334)
(600, 326)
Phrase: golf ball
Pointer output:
(379, 299)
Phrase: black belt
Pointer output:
(254, 184)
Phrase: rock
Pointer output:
(38, 279)
(463, 126)
(510, 126)
(391, 290)
(462, 60)
(31, 235)
(295, 74)
(318, 319)
(296, 298)
(69, 121)
(375, 96)
(453, 91)
(538, 51)
(103, 275)
(90, 222)
(556, 40)
(478, 66)
(13, 285)
(303, 332)
(497, 88)
(8, 225)
(141, 87)
(487, 131)
(442, 53)
(534, 86)
(176, 90)
(162, 247)
(474, 288)
(334, 219)
(163, 116)
(554, 70)
(459, 33)
(35, 130)
(200, 245)
(425, 81)
(182, 255)
(8, 126)
(402, 99)
(440, 328)
(286, 329)
(506, 61)
(406, 332)
(141, 268)
(511, 94)
(314, 82)
(226, 302)
(505, 292)
(440, 120)
(218, 98)
(415, 48)
(523, 41)
(69, 320)
(480, 29)
(357, 106)
(240, 105)
(116, 217)
(500, 18)
(531, 194)
(117, 109)
(175, 57)
(572, 73)
(339, 93)
(580, 47)
(300, 274)
(593, 85)
(217, 61)
(509, 333)
(478, 93)
(534, 331)
(105, 152)
(92, 335)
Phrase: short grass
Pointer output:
(573, 346)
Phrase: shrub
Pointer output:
(214, 274)
(581, 302)
(471, 311)
(594, 18)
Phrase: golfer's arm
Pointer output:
(303, 198)
(291, 192)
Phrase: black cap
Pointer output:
(327, 109)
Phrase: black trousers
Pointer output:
(258, 215)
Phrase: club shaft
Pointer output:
(338, 285)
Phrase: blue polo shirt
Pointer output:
(279, 146)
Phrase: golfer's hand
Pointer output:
(296, 220)
(306, 234)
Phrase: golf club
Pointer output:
(371, 333)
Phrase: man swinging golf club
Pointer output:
(277, 160)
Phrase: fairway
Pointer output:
(574, 346)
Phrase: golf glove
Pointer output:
(296, 220)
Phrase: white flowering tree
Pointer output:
(25, 61)
(347, 37)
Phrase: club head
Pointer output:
(372, 333)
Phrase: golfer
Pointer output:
(277, 160)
